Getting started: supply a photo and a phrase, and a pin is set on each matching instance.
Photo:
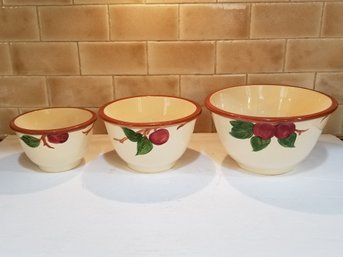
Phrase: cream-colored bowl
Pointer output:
(55, 139)
(269, 129)
(150, 133)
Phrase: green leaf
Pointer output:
(241, 129)
(144, 146)
(258, 143)
(289, 141)
(30, 141)
(131, 135)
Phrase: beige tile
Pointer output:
(6, 115)
(23, 91)
(314, 55)
(108, 1)
(250, 56)
(335, 123)
(223, 21)
(113, 58)
(247, 1)
(178, 1)
(333, 20)
(181, 57)
(83, 91)
(145, 85)
(37, 2)
(204, 122)
(5, 63)
(197, 87)
(295, 79)
(144, 22)
(45, 58)
(62, 23)
(18, 23)
(331, 83)
(283, 20)
(99, 125)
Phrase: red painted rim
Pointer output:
(79, 126)
(188, 118)
(236, 116)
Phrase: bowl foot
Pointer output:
(154, 169)
(265, 171)
(60, 168)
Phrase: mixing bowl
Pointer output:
(269, 129)
(150, 133)
(55, 139)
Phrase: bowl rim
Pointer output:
(79, 126)
(236, 116)
(153, 124)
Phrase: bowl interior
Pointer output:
(150, 109)
(271, 101)
(53, 118)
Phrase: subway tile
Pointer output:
(181, 57)
(44, 58)
(5, 63)
(23, 91)
(314, 55)
(108, 1)
(204, 122)
(157, 22)
(144, 85)
(284, 20)
(331, 83)
(295, 79)
(178, 1)
(223, 21)
(80, 90)
(333, 20)
(6, 115)
(18, 23)
(197, 87)
(250, 56)
(99, 125)
(37, 2)
(63, 23)
(127, 58)
(248, 1)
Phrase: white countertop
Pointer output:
(206, 206)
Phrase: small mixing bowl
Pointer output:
(55, 139)
(269, 129)
(150, 133)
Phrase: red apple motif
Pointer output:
(58, 138)
(159, 137)
(284, 130)
(264, 130)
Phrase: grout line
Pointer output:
(39, 25)
(109, 24)
(321, 22)
(79, 58)
(284, 56)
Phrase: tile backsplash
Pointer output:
(88, 52)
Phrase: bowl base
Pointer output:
(269, 172)
(155, 169)
(60, 168)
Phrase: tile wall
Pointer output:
(87, 52)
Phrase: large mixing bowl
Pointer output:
(269, 129)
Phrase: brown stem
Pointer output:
(45, 143)
(122, 140)
(88, 130)
(300, 131)
(181, 125)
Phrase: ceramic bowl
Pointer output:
(150, 133)
(269, 129)
(55, 139)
